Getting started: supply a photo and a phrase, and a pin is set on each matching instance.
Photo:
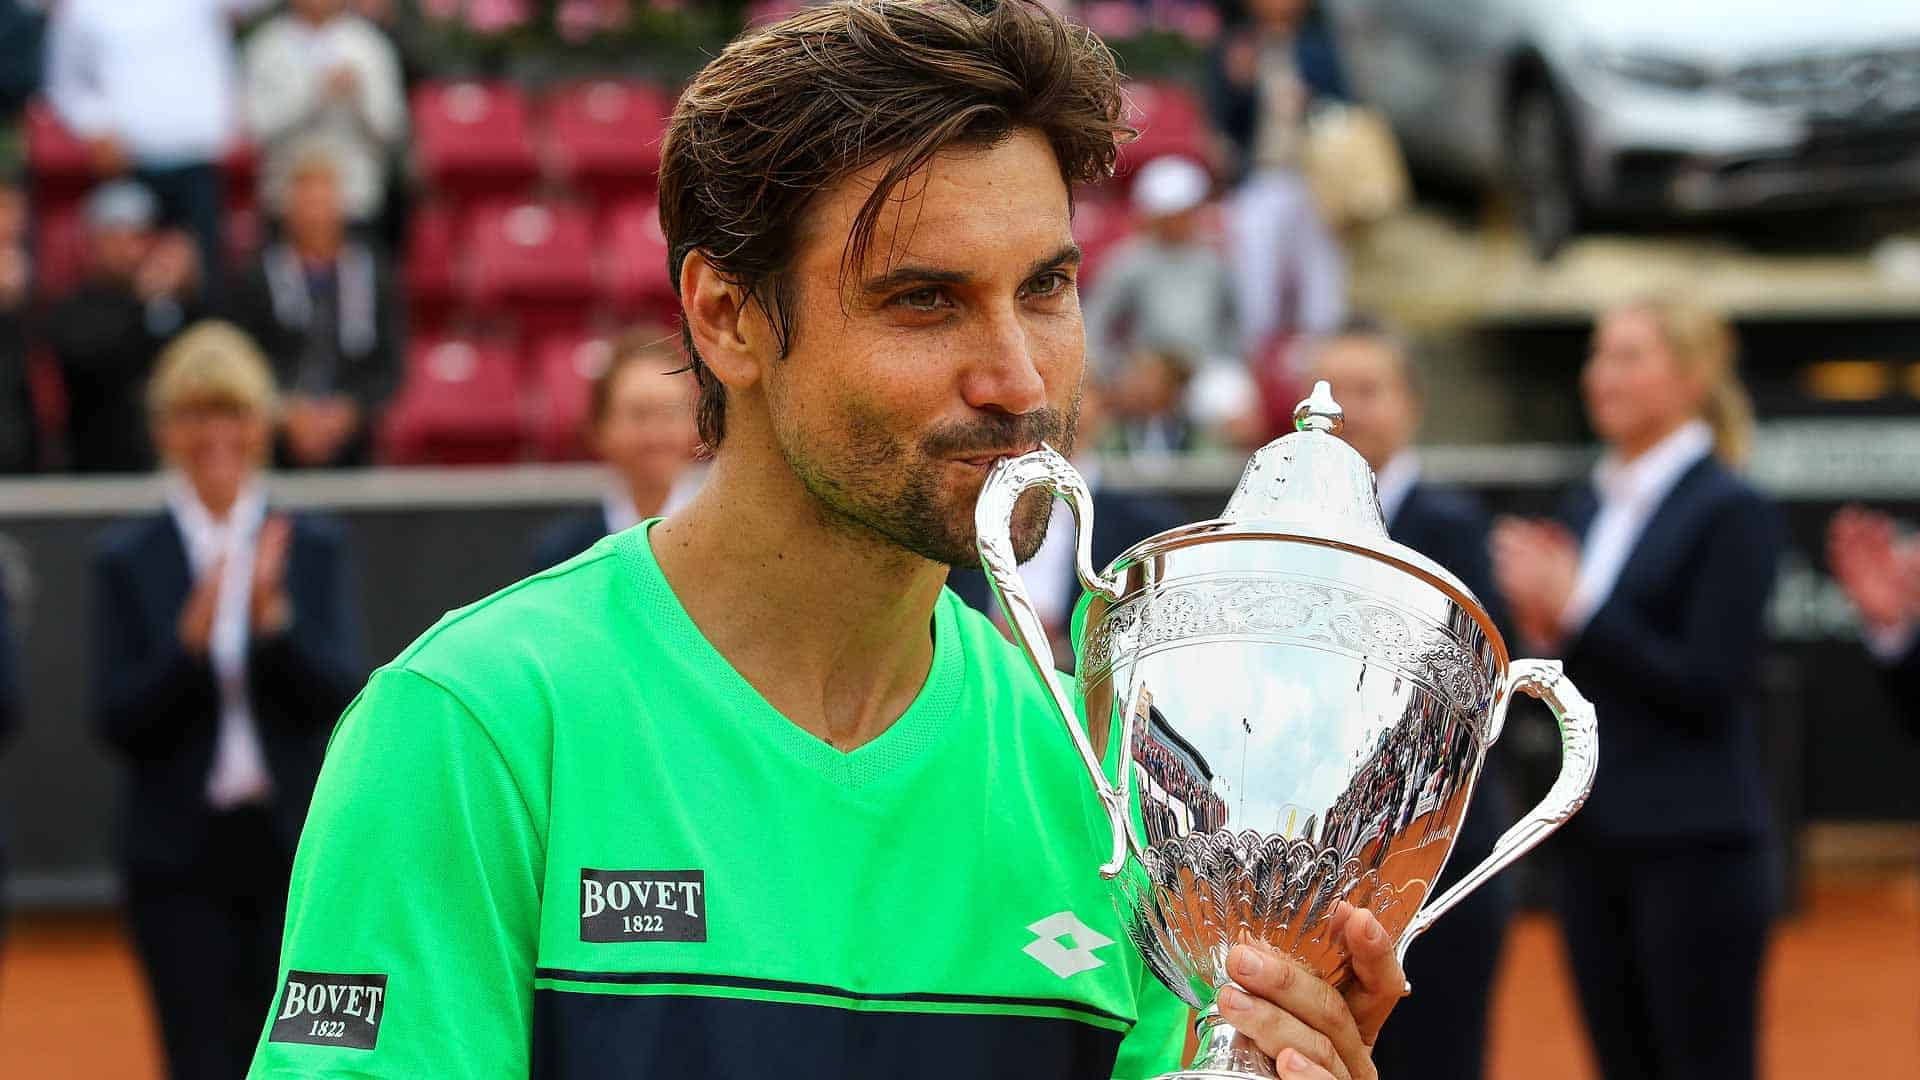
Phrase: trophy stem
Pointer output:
(1224, 1054)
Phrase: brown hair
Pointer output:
(785, 111)
(1703, 342)
(627, 349)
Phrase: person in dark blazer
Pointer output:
(326, 310)
(640, 422)
(227, 643)
(1441, 1030)
(1653, 587)
(1880, 571)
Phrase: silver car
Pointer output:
(1648, 108)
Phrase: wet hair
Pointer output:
(786, 111)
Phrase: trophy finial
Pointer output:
(1319, 412)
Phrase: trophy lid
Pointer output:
(1310, 486)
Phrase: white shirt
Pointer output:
(158, 75)
(1394, 481)
(239, 774)
(1629, 494)
(288, 62)
(616, 505)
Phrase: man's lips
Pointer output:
(986, 460)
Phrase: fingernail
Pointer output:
(1375, 932)
(1292, 1061)
(1233, 999)
(1249, 962)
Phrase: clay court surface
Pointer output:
(1843, 994)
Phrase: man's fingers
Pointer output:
(1294, 1065)
(1379, 981)
(1292, 990)
(1278, 1032)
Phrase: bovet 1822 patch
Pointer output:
(643, 905)
(330, 1010)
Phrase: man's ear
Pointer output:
(727, 327)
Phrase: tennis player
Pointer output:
(745, 793)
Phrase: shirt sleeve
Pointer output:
(413, 917)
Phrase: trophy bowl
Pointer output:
(1282, 711)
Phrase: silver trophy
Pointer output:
(1304, 707)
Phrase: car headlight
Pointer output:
(1654, 70)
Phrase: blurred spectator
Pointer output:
(21, 29)
(640, 422)
(325, 309)
(1654, 590)
(1166, 289)
(1120, 520)
(320, 75)
(1146, 400)
(18, 451)
(1289, 268)
(1441, 1031)
(1878, 565)
(141, 288)
(226, 640)
(151, 88)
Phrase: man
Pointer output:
(150, 87)
(319, 73)
(1441, 1032)
(141, 288)
(1880, 571)
(746, 792)
(324, 308)
(640, 422)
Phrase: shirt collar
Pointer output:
(1395, 480)
(205, 535)
(1648, 478)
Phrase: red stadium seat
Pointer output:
(473, 140)
(604, 136)
(534, 261)
(1171, 120)
(637, 281)
(432, 271)
(57, 161)
(242, 168)
(565, 367)
(459, 405)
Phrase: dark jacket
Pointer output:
(1451, 529)
(1670, 662)
(1119, 522)
(563, 538)
(1236, 105)
(106, 340)
(1902, 682)
(158, 706)
(263, 301)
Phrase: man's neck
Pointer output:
(832, 627)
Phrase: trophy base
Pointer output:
(1224, 1054)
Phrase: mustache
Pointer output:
(999, 431)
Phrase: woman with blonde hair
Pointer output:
(226, 642)
(1653, 588)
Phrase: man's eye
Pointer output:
(927, 299)
(1051, 283)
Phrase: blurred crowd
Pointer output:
(439, 287)
(399, 268)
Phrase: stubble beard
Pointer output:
(862, 487)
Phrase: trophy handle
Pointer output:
(1009, 479)
(1579, 758)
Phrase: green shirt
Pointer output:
(560, 836)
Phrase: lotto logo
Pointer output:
(1065, 945)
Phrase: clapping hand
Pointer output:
(1879, 570)
(270, 609)
(1536, 564)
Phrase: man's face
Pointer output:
(314, 216)
(958, 343)
(117, 250)
(1370, 383)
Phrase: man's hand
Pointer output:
(1307, 1027)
